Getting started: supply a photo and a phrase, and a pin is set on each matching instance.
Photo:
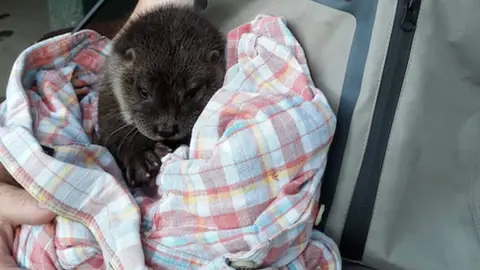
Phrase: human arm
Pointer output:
(16, 207)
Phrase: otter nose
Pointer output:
(168, 131)
(166, 134)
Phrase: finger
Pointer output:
(6, 237)
(18, 207)
(6, 244)
(7, 262)
(6, 259)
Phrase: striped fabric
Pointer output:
(243, 194)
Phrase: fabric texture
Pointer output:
(244, 192)
(427, 210)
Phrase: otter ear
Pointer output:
(214, 57)
(129, 55)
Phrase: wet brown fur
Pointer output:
(163, 69)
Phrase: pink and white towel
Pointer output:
(243, 193)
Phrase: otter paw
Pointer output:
(161, 150)
(143, 167)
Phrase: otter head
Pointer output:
(167, 65)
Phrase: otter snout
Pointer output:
(166, 130)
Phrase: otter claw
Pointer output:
(143, 167)
(161, 150)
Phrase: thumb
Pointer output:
(18, 207)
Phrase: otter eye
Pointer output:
(193, 90)
(191, 93)
(144, 93)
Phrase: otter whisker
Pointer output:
(124, 138)
(137, 132)
(134, 135)
(115, 131)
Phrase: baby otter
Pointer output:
(163, 69)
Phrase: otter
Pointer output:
(163, 68)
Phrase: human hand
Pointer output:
(16, 207)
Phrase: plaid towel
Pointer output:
(244, 193)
